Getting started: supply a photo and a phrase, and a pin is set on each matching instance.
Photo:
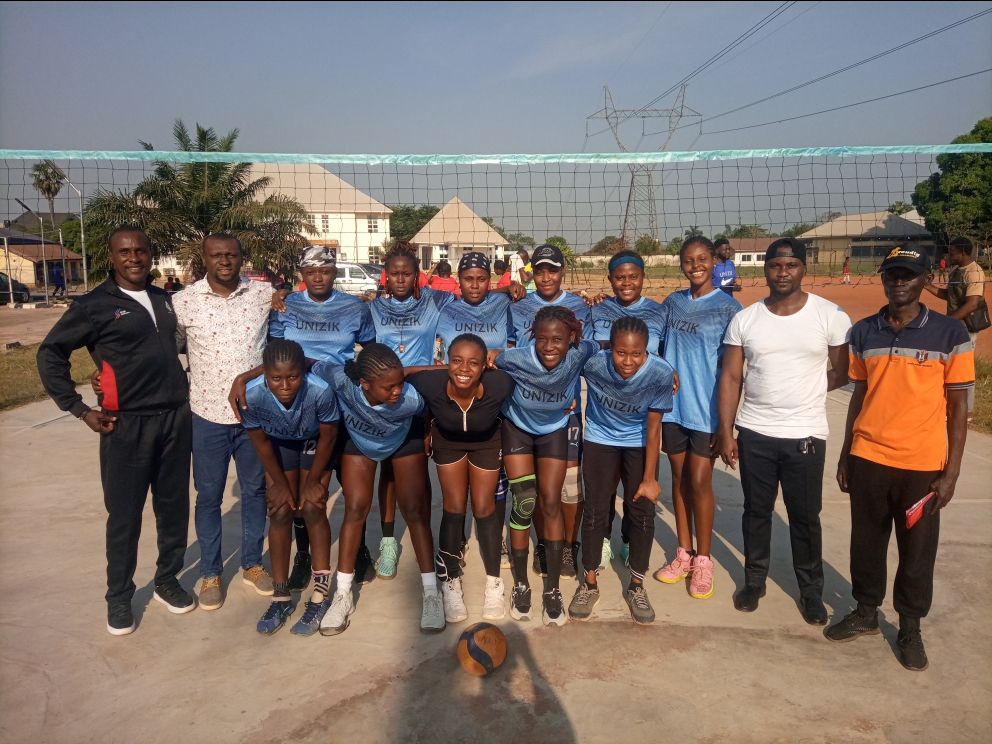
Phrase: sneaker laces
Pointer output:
(433, 604)
(310, 614)
(521, 593)
(255, 572)
(388, 551)
(639, 598)
(583, 594)
(210, 581)
(553, 601)
(274, 610)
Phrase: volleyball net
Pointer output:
(853, 203)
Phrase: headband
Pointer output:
(318, 255)
(474, 260)
(617, 260)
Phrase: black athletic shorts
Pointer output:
(485, 455)
(574, 437)
(297, 454)
(516, 441)
(676, 439)
(413, 443)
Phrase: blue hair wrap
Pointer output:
(614, 262)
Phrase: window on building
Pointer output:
(373, 224)
(325, 222)
(745, 258)
(311, 220)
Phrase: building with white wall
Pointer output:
(454, 231)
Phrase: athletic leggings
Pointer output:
(603, 465)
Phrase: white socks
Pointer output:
(344, 581)
(429, 580)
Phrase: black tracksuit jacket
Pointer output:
(139, 364)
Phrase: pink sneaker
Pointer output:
(701, 585)
(677, 570)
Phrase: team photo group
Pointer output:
(538, 406)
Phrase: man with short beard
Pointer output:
(129, 327)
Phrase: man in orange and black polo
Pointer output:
(906, 426)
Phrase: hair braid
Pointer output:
(280, 350)
(629, 324)
(549, 313)
(372, 362)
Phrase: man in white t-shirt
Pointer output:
(787, 340)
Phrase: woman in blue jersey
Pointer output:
(626, 275)
(548, 263)
(628, 390)
(406, 321)
(383, 422)
(327, 324)
(292, 420)
(695, 322)
(536, 446)
(465, 399)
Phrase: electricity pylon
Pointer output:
(641, 214)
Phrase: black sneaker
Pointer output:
(554, 608)
(569, 557)
(853, 626)
(120, 619)
(520, 606)
(364, 566)
(176, 599)
(299, 579)
(912, 655)
(540, 560)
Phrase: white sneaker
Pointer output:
(335, 620)
(604, 561)
(454, 601)
(492, 608)
(432, 619)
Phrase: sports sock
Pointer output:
(281, 591)
(362, 543)
(632, 586)
(489, 542)
(429, 580)
(321, 582)
(553, 549)
(344, 581)
(449, 544)
(501, 515)
(302, 536)
(387, 528)
(518, 561)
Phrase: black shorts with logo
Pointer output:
(676, 439)
(516, 441)
(485, 455)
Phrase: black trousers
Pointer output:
(146, 451)
(880, 495)
(767, 462)
(603, 467)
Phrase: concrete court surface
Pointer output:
(703, 672)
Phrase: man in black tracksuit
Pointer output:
(145, 427)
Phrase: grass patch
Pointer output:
(19, 379)
(983, 397)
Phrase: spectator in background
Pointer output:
(903, 440)
(846, 279)
(176, 284)
(502, 271)
(725, 273)
(518, 267)
(964, 293)
(169, 287)
(942, 266)
(443, 280)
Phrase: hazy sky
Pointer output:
(443, 77)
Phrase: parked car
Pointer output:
(356, 279)
(21, 291)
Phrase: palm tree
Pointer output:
(48, 184)
(179, 204)
(692, 231)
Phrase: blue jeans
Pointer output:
(213, 447)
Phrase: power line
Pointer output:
(849, 105)
(639, 43)
(856, 64)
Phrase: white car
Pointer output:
(355, 280)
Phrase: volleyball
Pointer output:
(481, 649)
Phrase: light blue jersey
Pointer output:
(327, 331)
(693, 343)
(609, 310)
(315, 404)
(410, 327)
(541, 396)
(523, 311)
(489, 320)
(617, 409)
(379, 430)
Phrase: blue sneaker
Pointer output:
(274, 618)
(625, 553)
(310, 622)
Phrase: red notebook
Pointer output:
(914, 512)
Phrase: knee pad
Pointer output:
(571, 491)
(524, 493)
